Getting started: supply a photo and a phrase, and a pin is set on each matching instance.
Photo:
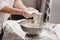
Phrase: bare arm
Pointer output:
(19, 4)
(7, 9)
(11, 10)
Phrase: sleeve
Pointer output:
(2, 4)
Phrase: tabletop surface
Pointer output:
(15, 27)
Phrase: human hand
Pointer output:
(26, 14)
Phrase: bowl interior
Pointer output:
(28, 23)
(28, 26)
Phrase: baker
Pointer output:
(8, 7)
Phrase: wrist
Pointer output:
(23, 12)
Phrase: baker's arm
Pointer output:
(19, 4)
(4, 7)
(11, 10)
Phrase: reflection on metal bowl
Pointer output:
(29, 27)
(30, 30)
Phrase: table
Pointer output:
(15, 30)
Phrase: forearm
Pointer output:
(11, 10)
(19, 4)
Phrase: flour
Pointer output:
(37, 19)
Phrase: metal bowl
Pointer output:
(29, 27)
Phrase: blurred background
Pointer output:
(55, 12)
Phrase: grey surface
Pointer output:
(29, 3)
(10, 36)
(55, 12)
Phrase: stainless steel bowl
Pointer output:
(29, 27)
(31, 30)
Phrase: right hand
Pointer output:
(26, 14)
